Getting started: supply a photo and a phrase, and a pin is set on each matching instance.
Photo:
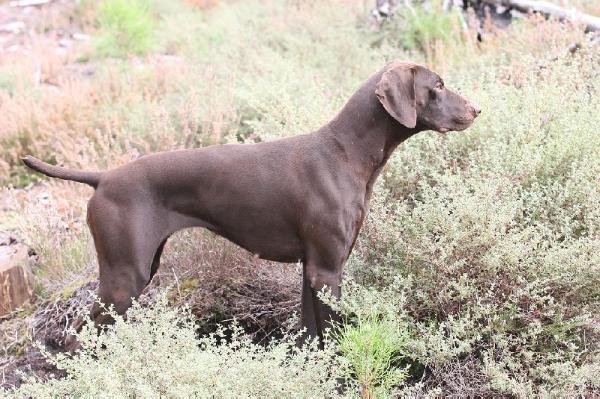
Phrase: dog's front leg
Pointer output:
(320, 272)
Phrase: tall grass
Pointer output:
(425, 29)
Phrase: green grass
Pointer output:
(374, 348)
(126, 27)
(423, 28)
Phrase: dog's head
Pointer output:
(416, 97)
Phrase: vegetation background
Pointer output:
(476, 274)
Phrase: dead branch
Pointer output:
(592, 23)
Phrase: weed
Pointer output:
(373, 349)
(423, 28)
(126, 28)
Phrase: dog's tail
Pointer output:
(91, 178)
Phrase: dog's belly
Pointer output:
(261, 231)
(276, 249)
(275, 242)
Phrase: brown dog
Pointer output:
(302, 198)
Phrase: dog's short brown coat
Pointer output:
(302, 198)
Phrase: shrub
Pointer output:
(422, 28)
(222, 283)
(492, 237)
(155, 353)
(126, 28)
(478, 265)
(374, 348)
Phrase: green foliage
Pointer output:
(421, 28)
(372, 347)
(155, 353)
(10, 80)
(126, 28)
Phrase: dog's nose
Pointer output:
(476, 109)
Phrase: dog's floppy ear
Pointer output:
(396, 92)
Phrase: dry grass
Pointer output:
(49, 217)
(587, 6)
(223, 283)
(204, 4)
(107, 121)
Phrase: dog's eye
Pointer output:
(439, 85)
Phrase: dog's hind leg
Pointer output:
(128, 243)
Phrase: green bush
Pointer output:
(420, 28)
(126, 28)
(371, 346)
(374, 347)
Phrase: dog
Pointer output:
(297, 199)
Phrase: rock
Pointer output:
(81, 36)
(65, 43)
(15, 276)
(12, 27)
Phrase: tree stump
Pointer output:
(15, 277)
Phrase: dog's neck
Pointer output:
(365, 133)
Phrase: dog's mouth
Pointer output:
(456, 128)
(455, 124)
(458, 124)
